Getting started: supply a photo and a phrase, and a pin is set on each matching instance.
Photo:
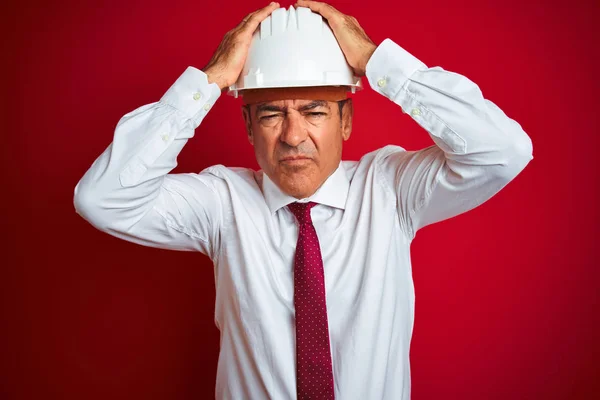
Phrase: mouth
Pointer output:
(295, 159)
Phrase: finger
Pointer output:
(255, 18)
(326, 10)
(254, 13)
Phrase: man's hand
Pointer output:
(356, 45)
(228, 61)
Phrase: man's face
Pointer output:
(298, 143)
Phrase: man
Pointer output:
(314, 294)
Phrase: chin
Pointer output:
(299, 186)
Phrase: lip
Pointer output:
(300, 158)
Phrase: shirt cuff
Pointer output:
(390, 67)
(192, 94)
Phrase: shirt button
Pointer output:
(207, 106)
(415, 111)
(164, 137)
(197, 96)
(381, 82)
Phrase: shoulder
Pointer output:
(386, 151)
(371, 171)
(225, 172)
(371, 159)
(223, 178)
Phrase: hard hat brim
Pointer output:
(327, 93)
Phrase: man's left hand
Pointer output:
(354, 42)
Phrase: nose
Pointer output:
(294, 132)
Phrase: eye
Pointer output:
(267, 117)
(316, 114)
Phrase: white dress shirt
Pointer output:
(369, 212)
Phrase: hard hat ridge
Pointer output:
(292, 20)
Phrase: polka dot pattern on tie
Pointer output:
(314, 372)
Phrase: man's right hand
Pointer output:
(228, 61)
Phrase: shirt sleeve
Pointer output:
(478, 149)
(128, 191)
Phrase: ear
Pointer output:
(246, 112)
(347, 114)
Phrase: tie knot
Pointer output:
(302, 211)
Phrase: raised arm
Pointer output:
(478, 149)
(128, 191)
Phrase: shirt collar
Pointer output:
(333, 192)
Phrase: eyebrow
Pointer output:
(309, 106)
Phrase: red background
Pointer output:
(506, 295)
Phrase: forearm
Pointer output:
(122, 184)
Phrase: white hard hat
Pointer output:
(294, 48)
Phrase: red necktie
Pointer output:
(314, 373)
